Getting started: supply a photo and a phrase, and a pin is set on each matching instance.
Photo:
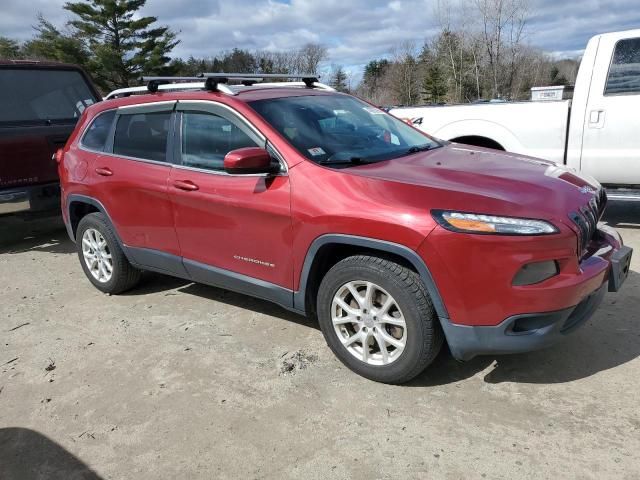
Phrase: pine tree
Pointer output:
(9, 49)
(123, 46)
(339, 79)
(435, 83)
(51, 44)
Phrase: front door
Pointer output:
(611, 144)
(233, 230)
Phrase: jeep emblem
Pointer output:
(587, 189)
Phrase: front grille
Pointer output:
(586, 219)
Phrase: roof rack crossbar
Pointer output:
(308, 78)
(258, 75)
(154, 82)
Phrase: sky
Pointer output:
(355, 31)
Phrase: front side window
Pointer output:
(624, 73)
(207, 138)
(95, 138)
(43, 95)
(142, 135)
(340, 130)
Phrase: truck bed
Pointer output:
(538, 129)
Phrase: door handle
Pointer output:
(596, 119)
(186, 185)
(104, 171)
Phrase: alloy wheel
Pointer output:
(97, 255)
(369, 322)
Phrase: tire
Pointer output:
(123, 275)
(414, 346)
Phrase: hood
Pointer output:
(480, 180)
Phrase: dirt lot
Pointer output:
(178, 380)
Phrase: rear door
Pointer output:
(40, 107)
(130, 180)
(611, 143)
(238, 224)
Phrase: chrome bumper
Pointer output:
(37, 198)
(14, 202)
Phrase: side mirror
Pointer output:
(248, 160)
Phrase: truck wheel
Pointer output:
(101, 257)
(378, 319)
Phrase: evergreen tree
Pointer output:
(435, 83)
(123, 46)
(51, 44)
(9, 49)
(339, 79)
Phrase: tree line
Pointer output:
(480, 52)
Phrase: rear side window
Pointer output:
(43, 95)
(207, 138)
(96, 135)
(142, 135)
(624, 74)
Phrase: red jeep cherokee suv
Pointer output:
(330, 207)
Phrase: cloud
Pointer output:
(354, 31)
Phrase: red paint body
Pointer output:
(276, 219)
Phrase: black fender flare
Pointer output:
(405, 252)
(95, 203)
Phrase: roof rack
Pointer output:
(308, 79)
(164, 87)
(219, 82)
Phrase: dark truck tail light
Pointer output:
(535, 273)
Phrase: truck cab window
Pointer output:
(624, 74)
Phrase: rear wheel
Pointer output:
(101, 257)
(378, 319)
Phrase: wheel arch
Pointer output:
(478, 141)
(327, 250)
(490, 132)
(78, 206)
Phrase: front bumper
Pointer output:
(605, 270)
(520, 333)
(32, 199)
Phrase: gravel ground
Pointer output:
(179, 380)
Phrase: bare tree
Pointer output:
(404, 71)
(502, 27)
(309, 58)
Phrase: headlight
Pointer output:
(491, 224)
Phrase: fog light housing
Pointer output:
(535, 272)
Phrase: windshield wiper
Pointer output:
(339, 161)
(419, 148)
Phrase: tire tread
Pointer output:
(432, 338)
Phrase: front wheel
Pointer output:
(378, 319)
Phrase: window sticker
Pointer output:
(316, 151)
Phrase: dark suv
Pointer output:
(333, 208)
(41, 103)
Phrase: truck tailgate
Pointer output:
(26, 154)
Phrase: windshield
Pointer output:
(340, 129)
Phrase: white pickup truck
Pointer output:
(597, 132)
